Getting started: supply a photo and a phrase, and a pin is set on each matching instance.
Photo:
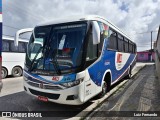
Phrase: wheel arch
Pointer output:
(107, 73)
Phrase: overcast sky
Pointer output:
(132, 16)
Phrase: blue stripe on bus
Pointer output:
(97, 71)
(39, 79)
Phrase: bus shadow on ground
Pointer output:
(11, 76)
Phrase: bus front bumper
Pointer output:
(70, 96)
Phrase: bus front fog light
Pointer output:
(75, 97)
(72, 97)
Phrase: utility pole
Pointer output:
(150, 53)
(151, 46)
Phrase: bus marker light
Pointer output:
(41, 98)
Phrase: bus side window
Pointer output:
(120, 43)
(26, 43)
(126, 45)
(103, 34)
(130, 47)
(91, 49)
(21, 47)
(112, 41)
(13, 48)
(135, 48)
(5, 45)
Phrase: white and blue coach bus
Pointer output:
(81, 57)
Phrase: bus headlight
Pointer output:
(73, 83)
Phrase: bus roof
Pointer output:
(12, 38)
(85, 18)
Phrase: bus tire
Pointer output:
(17, 71)
(129, 73)
(104, 90)
(4, 73)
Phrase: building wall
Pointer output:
(157, 54)
(144, 56)
(158, 42)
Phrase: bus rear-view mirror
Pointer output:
(95, 32)
(20, 32)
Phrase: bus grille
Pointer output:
(50, 87)
(48, 95)
(33, 84)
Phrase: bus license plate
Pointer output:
(41, 98)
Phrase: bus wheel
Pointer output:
(129, 73)
(104, 90)
(16, 71)
(4, 73)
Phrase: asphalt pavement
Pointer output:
(11, 85)
(140, 94)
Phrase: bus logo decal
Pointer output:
(41, 85)
(55, 78)
(119, 58)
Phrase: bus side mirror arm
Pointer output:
(19, 32)
(95, 33)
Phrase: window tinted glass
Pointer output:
(91, 50)
(120, 43)
(13, 48)
(135, 50)
(112, 41)
(36, 47)
(21, 47)
(130, 47)
(126, 45)
(103, 34)
(5, 45)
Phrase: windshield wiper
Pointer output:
(55, 63)
(32, 63)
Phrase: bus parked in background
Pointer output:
(1, 84)
(13, 57)
(81, 57)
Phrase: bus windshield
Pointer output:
(56, 49)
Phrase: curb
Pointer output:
(90, 109)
